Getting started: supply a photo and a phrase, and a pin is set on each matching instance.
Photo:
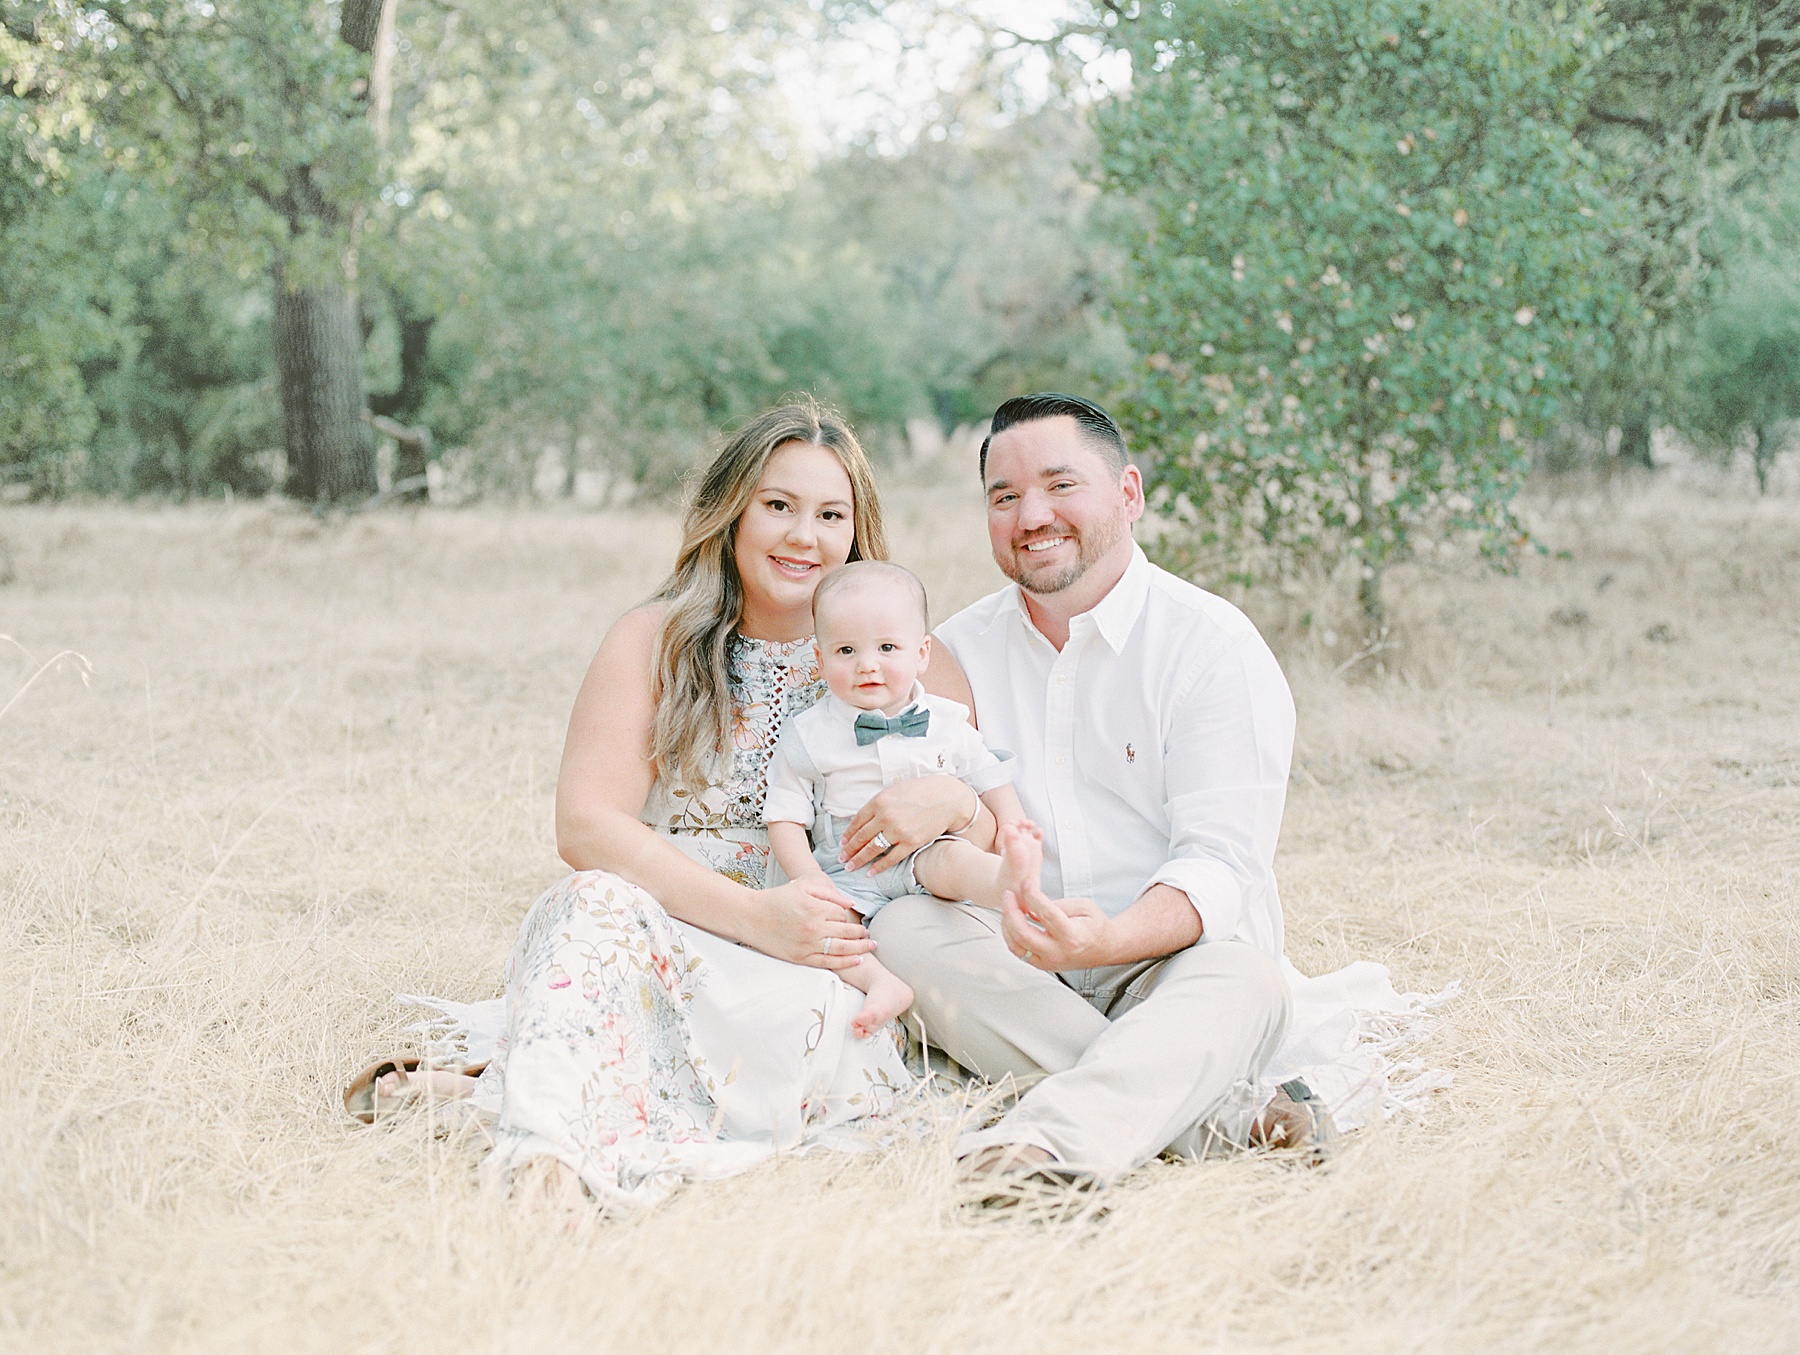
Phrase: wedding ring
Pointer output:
(828, 941)
(1025, 956)
(881, 841)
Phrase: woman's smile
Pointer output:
(794, 568)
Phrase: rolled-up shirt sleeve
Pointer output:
(1229, 745)
(790, 797)
(979, 767)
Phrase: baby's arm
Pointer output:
(788, 808)
(793, 850)
(1003, 803)
(958, 870)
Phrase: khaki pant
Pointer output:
(1119, 1063)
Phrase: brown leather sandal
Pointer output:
(359, 1096)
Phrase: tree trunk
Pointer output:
(1634, 442)
(1760, 457)
(318, 357)
(571, 463)
(359, 23)
(415, 353)
(412, 457)
(368, 26)
(1368, 593)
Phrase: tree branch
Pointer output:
(1625, 120)
(1754, 109)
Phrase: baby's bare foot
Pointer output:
(887, 997)
(1022, 859)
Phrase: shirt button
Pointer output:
(1060, 760)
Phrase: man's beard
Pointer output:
(1087, 551)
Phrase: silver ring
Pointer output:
(881, 841)
(1025, 955)
(828, 941)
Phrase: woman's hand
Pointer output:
(806, 921)
(903, 818)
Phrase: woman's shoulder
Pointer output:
(627, 652)
(637, 628)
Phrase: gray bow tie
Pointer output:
(908, 724)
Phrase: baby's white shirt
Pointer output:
(818, 763)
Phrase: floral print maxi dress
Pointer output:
(643, 1051)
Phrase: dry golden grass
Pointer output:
(314, 766)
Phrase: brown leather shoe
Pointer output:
(1296, 1119)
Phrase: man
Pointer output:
(1137, 994)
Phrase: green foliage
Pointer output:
(1370, 254)
(1745, 378)
(49, 327)
(1692, 111)
(989, 259)
(930, 285)
(50, 282)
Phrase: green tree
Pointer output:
(260, 109)
(1692, 110)
(541, 222)
(987, 256)
(351, 152)
(1370, 254)
(53, 316)
(1745, 377)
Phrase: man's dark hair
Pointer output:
(1095, 425)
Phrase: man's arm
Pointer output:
(1230, 743)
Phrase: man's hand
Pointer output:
(1060, 935)
(1056, 935)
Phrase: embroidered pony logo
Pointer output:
(1130, 753)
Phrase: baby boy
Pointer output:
(876, 727)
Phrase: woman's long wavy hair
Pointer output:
(691, 737)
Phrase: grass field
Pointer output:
(312, 766)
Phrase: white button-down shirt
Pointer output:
(1152, 749)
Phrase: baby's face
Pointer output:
(872, 645)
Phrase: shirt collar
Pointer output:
(1116, 614)
(848, 713)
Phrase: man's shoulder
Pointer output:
(1174, 607)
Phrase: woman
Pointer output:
(666, 1016)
